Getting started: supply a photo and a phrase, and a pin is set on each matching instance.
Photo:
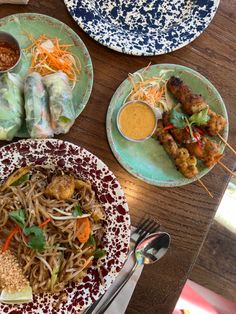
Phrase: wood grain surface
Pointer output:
(185, 212)
(215, 267)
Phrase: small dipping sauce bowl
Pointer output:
(10, 52)
(136, 120)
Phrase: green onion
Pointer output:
(99, 253)
(77, 211)
(22, 179)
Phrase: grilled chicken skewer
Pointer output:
(202, 147)
(185, 163)
(193, 103)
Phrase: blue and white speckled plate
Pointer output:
(143, 27)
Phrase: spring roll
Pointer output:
(12, 107)
(60, 102)
(36, 107)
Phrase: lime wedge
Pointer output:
(23, 296)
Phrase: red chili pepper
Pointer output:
(200, 131)
(187, 129)
(168, 127)
(199, 142)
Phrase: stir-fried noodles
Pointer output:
(53, 225)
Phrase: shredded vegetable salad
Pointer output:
(151, 90)
(49, 56)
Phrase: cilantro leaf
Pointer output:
(36, 238)
(18, 216)
(190, 128)
(21, 179)
(77, 211)
(91, 241)
(99, 253)
(178, 119)
(200, 118)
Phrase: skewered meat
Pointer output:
(215, 124)
(208, 150)
(191, 103)
(181, 136)
(185, 163)
(169, 144)
(209, 153)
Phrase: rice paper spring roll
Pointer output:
(60, 102)
(36, 107)
(11, 105)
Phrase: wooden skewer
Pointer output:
(226, 168)
(227, 144)
(205, 188)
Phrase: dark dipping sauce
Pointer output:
(9, 56)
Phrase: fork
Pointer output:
(148, 226)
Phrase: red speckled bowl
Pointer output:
(57, 153)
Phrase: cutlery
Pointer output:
(150, 250)
(144, 228)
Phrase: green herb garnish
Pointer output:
(91, 241)
(190, 128)
(18, 216)
(54, 277)
(181, 120)
(178, 119)
(99, 253)
(22, 179)
(200, 118)
(36, 238)
(77, 211)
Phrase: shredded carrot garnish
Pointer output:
(8, 240)
(49, 56)
(43, 224)
(151, 90)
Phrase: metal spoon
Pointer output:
(148, 251)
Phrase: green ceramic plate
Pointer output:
(37, 24)
(147, 160)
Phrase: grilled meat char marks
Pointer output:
(191, 103)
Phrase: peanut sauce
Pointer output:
(137, 121)
(9, 56)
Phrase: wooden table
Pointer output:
(185, 212)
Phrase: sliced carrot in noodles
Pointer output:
(8, 240)
(83, 229)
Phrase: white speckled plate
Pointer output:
(56, 153)
(143, 27)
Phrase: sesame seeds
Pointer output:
(11, 275)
